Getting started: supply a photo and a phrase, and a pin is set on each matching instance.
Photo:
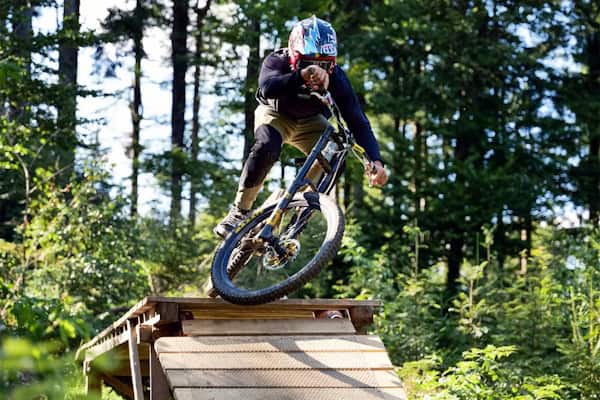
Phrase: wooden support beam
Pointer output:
(144, 333)
(169, 313)
(134, 362)
(159, 386)
(361, 318)
(93, 382)
(267, 327)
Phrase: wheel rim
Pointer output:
(259, 273)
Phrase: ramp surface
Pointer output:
(275, 367)
(195, 348)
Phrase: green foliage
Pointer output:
(171, 256)
(77, 259)
(506, 334)
(581, 346)
(482, 374)
(30, 370)
(88, 249)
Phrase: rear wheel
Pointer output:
(247, 271)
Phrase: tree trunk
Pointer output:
(594, 201)
(457, 230)
(526, 231)
(180, 62)
(200, 15)
(252, 69)
(593, 52)
(499, 240)
(136, 107)
(395, 165)
(22, 27)
(67, 72)
(195, 126)
(455, 257)
(4, 21)
(417, 173)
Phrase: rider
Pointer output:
(282, 117)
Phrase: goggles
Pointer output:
(326, 63)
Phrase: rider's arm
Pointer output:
(276, 78)
(350, 108)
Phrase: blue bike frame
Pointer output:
(331, 169)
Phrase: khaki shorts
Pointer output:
(301, 133)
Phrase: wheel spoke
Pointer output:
(305, 235)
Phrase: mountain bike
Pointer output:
(286, 242)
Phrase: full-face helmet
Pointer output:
(313, 41)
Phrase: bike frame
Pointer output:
(331, 169)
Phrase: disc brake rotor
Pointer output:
(272, 261)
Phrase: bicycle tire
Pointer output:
(222, 272)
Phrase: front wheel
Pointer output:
(247, 271)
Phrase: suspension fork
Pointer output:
(266, 233)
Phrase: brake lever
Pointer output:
(324, 98)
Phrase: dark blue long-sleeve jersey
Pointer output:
(279, 87)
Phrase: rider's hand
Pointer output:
(376, 173)
(315, 77)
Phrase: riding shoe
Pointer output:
(235, 217)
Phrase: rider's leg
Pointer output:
(306, 135)
(264, 153)
(270, 130)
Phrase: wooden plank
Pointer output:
(204, 344)
(186, 303)
(298, 360)
(290, 394)
(119, 325)
(106, 345)
(265, 326)
(220, 313)
(159, 386)
(134, 362)
(283, 378)
(189, 304)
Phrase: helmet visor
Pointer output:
(326, 63)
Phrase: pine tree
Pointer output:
(67, 72)
(179, 59)
(581, 93)
(201, 13)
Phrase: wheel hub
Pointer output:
(273, 261)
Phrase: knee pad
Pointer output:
(267, 143)
(263, 154)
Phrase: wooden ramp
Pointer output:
(209, 349)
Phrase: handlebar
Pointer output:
(327, 100)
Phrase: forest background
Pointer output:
(484, 246)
